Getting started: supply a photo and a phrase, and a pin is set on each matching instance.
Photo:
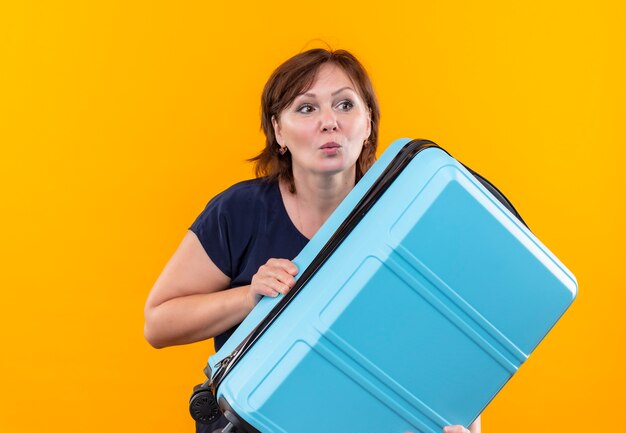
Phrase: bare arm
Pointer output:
(188, 302)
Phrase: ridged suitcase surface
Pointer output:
(428, 299)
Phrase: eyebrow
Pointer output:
(312, 95)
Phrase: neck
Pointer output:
(323, 193)
(316, 197)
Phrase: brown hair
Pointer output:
(294, 77)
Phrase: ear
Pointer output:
(369, 123)
(277, 130)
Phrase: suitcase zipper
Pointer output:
(224, 360)
(221, 364)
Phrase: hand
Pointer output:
(274, 277)
(455, 429)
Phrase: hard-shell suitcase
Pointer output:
(416, 302)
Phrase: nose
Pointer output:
(328, 120)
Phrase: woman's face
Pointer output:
(324, 128)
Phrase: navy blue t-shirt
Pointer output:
(242, 228)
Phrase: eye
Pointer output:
(345, 105)
(305, 108)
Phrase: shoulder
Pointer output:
(246, 195)
(231, 220)
(258, 187)
(243, 203)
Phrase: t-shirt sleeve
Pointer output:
(213, 229)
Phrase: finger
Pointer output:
(274, 285)
(280, 287)
(455, 429)
(264, 290)
(286, 279)
(273, 270)
(259, 286)
(278, 273)
(287, 265)
(291, 267)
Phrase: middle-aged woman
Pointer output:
(320, 117)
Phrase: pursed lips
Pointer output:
(330, 149)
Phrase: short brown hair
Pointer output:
(294, 77)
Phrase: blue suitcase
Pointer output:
(416, 302)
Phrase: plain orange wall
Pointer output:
(120, 120)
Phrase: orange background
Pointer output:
(119, 120)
